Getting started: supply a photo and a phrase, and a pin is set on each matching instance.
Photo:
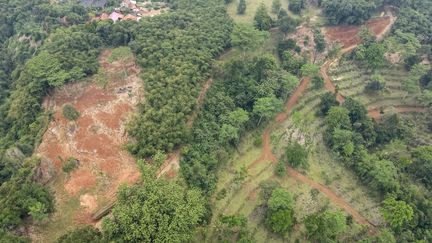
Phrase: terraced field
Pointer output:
(243, 196)
(351, 81)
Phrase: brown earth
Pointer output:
(348, 37)
(95, 139)
(375, 113)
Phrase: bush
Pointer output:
(280, 169)
(70, 164)
(297, 156)
(317, 82)
(377, 83)
(84, 234)
(70, 113)
(296, 5)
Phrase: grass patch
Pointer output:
(120, 54)
(251, 7)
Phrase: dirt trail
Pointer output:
(348, 36)
(331, 195)
(375, 113)
(293, 99)
(200, 101)
(267, 154)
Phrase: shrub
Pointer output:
(377, 83)
(297, 156)
(317, 82)
(70, 113)
(280, 169)
(70, 164)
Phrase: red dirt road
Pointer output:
(348, 37)
(267, 155)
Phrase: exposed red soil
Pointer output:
(375, 113)
(96, 138)
(293, 99)
(348, 37)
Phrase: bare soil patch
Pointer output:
(96, 139)
(348, 35)
(375, 113)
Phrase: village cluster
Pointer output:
(135, 11)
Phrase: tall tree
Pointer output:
(266, 107)
(396, 213)
(296, 5)
(296, 155)
(262, 19)
(276, 6)
(245, 37)
(280, 213)
(287, 24)
(241, 8)
(325, 227)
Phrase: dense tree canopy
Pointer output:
(166, 47)
(325, 227)
(155, 211)
(348, 11)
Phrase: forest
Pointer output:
(297, 138)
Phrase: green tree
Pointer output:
(328, 100)
(157, 211)
(246, 38)
(86, 234)
(357, 111)
(320, 43)
(342, 142)
(396, 213)
(422, 164)
(325, 227)
(287, 24)
(280, 169)
(348, 11)
(376, 84)
(384, 175)
(296, 155)
(266, 107)
(296, 5)
(317, 82)
(241, 8)
(309, 70)
(233, 228)
(276, 6)
(280, 213)
(338, 118)
(262, 20)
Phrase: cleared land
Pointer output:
(95, 140)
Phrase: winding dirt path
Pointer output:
(267, 154)
(351, 45)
